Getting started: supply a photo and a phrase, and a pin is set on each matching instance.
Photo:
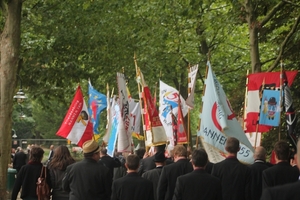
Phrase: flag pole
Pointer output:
(281, 69)
(203, 92)
(188, 117)
(140, 101)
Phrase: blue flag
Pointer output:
(97, 102)
(270, 108)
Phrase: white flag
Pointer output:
(218, 122)
(168, 97)
(192, 83)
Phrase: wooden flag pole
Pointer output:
(188, 117)
(204, 88)
(281, 95)
(140, 101)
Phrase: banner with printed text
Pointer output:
(218, 122)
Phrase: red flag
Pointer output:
(77, 126)
(181, 134)
(255, 82)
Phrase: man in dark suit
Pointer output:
(88, 178)
(19, 159)
(169, 174)
(108, 161)
(281, 173)
(235, 177)
(147, 163)
(289, 191)
(257, 168)
(154, 174)
(198, 184)
(132, 186)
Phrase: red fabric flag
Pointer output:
(255, 82)
(77, 126)
(181, 134)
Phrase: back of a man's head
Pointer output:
(132, 162)
(298, 154)
(232, 145)
(199, 158)
(180, 151)
(282, 150)
(103, 151)
(260, 153)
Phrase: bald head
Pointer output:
(298, 155)
(260, 153)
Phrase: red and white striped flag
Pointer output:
(77, 126)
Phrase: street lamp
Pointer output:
(14, 135)
(21, 97)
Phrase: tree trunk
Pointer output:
(253, 26)
(9, 59)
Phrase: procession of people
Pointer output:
(157, 177)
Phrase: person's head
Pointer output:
(140, 152)
(232, 145)
(179, 152)
(91, 149)
(132, 162)
(260, 153)
(36, 154)
(61, 158)
(51, 147)
(199, 158)
(297, 155)
(103, 151)
(19, 149)
(282, 151)
(160, 158)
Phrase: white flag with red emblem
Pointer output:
(77, 126)
(218, 122)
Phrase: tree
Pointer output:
(9, 66)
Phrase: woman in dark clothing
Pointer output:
(28, 176)
(57, 166)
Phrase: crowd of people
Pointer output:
(186, 175)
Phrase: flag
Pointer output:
(254, 87)
(218, 122)
(135, 117)
(115, 116)
(169, 97)
(124, 135)
(108, 116)
(181, 134)
(76, 125)
(174, 126)
(270, 108)
(97, 103)
(192, 83)
(252, 137)
(154, 131)
(290, 115)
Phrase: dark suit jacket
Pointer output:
(198, 185)
(284, 192)
(235, 179)
(153, 176)
(168, 177)
(110, 163)
(146, 164)
(279, 174)
(132, 187)
(256, 178)
(19, 160)
(87, 179)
